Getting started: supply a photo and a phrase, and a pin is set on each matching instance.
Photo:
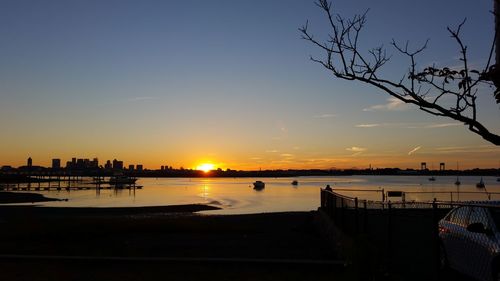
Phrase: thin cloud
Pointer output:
(272, 151)
(326, 115)
(443, 125)
(287, 155)
(368, 125)
(393, 104)
(467, 149)
(414, 150)
(356, 149)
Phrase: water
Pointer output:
(237, 196)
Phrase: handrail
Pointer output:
(355, 200)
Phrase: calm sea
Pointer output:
(237, 196)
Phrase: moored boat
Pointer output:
(480, 184)
(457, 182)
(122, 180)
(295, 182)
(258, 185)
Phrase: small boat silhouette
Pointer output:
(295, 182)
(457, 182)
(480, 184)
(259, 185)
(432, 178)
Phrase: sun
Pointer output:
(205, 167)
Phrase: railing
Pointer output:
(449, 196)
(403, 232)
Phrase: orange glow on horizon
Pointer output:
(205, 167)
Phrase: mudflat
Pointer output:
(23, 197)
(38, 243)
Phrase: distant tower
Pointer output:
(30, 162)
(423, 166)
(441, 167)
(56, 163)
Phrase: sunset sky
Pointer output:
(229, 83)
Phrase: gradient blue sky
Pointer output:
(227, 82)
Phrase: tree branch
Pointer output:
(455, 88)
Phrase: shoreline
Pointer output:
(7, 197)
(36, 210)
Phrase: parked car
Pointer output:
(470, 240)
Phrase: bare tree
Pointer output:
(441, 91)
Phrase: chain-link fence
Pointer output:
(421, 240)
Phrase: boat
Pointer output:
(432, 178)
(457, 182)
(122, 180)
(295, 182)
(259, 185)
(480, 184)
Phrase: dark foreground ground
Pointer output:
(171, 243)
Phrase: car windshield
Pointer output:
(495, 214)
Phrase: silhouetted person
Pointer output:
(328, 188)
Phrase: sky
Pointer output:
(181, 83)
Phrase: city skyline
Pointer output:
(194, 83)
(115, 164)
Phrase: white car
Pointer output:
(470, 240)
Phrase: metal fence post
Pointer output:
(322, 198)
(389, 231)
(342, 218)
(435, 233)
(365, 220)
(333, 205)
(356, 220)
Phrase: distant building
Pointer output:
(94, 163)
(30, 162)
(117, 165)
(139, 167)
(6, 168)
(131, 167)
(108, 165)
(56, 163)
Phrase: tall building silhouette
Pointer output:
(56, 163)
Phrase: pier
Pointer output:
(64, 182)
